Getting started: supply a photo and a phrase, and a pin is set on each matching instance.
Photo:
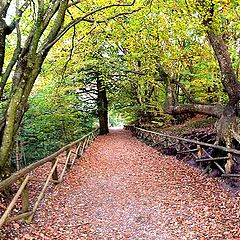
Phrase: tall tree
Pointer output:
(227, 124)
(50, 21)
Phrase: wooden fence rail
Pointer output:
(24, 176)
(198, 150)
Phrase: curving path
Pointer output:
(122, 189)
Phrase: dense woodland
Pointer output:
(67, 66)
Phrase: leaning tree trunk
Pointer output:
(28, 67)
(227, 125)
(102, 103)
(23, 81)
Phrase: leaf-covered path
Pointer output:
(123, 189)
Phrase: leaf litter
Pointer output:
(123, 189)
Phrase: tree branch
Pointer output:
(210, 110)
(135, 72)
(74, 3)
(19, 11)
(48, 44)
(84, 90)
(6, 31)
(229, 78)
(55, 29)
(72, 47)
(50, 13)
(4, 5)
(110, 18)
(186, 93)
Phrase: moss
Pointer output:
(202, 123)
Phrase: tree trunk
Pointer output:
(102, 103)
(172, 107)
(4, 31)
(17, 155)
(23, 79)
(28, 67)
(209, 110)
(2, 44)
(227, 123)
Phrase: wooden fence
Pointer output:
(200, 151)
(72, 152)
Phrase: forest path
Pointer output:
(123, 189)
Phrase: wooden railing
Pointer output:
(72, 152)
(200, 151)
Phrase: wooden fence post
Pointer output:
(14, 200)
(18, 164)
(199, 151)
(91, 138)
(55, 173)
(67, 151)
(25, 198)
(69, 164)
(76, 153)
(42, 193)
(83, 147)
(78, 148)
(65, 166)
(166, 143)
(178, 146)
(229, 164)
(199, 154)
(87, 142)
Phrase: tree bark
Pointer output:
(102, 103)
(46, 30)
(2, 44)
(227, 123)
(210, 110)
(229, 78)
(28, 67)
(172, 107)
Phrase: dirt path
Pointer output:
(123, 189)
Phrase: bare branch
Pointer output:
(19, 14)
(52, 36)
(9, 68)
(72, 48)
(79, 9)
(84, 90)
